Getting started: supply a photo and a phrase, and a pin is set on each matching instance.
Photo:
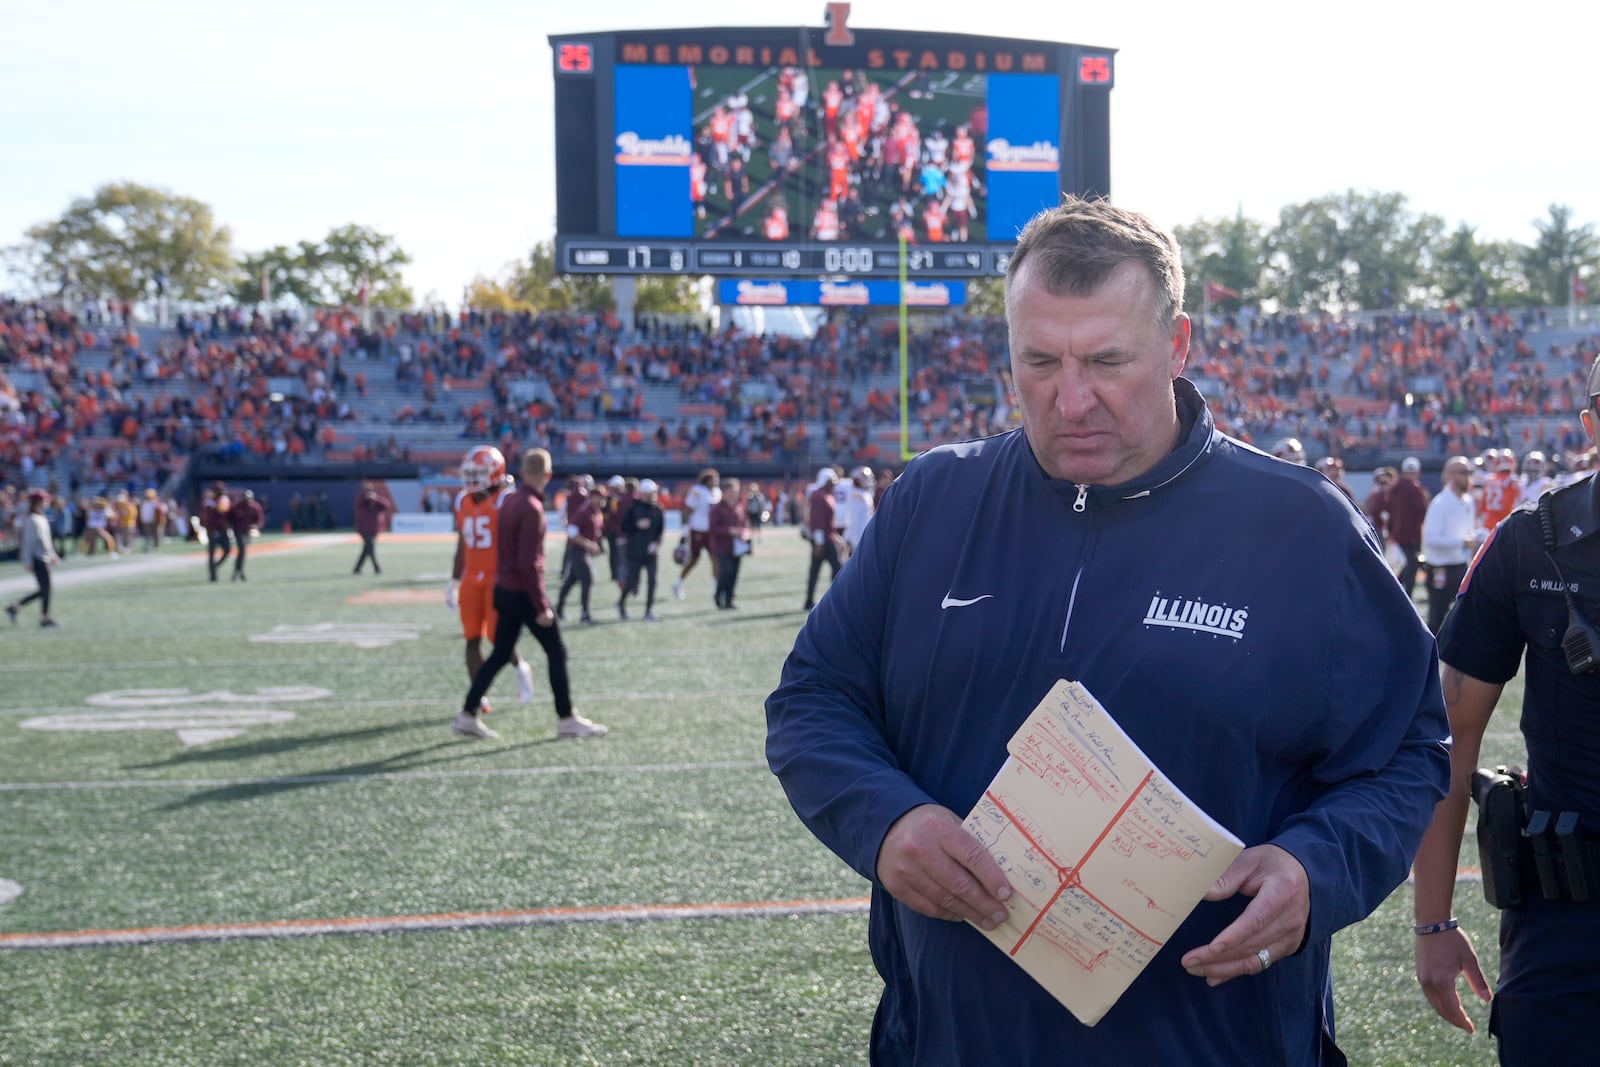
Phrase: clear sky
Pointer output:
(432, 121)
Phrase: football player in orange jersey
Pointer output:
(962, 148)
(933, 218)
(484, 484)
(825, 223)
(1501, 490)
(776, 225)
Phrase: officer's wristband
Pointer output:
(1423, 929)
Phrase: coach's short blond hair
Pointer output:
(535, 461)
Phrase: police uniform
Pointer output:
(1512, 604)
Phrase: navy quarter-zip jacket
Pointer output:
(1231, 611)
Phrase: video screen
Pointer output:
(786, 153)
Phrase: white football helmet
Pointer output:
(483, 469)
(1291, 450)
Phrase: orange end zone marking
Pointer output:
(396, 596)
(437, 921)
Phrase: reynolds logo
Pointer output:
(633, 150)
(763, 293)
(930, 295)
(836, 294)
(1217, 619)
(1040, 155)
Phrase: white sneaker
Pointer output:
(651, 616)
(578, 726)
(472, 726)
(677, 588)
(525, 682)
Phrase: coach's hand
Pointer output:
(931, 864)
(545, 618)
(1274, 920)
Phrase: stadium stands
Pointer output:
(102, 401)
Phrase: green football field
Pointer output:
(243, 833)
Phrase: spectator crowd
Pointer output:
(99, 405)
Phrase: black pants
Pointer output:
(516, 610)
(218, 545)
(1443, 583)
(727, 578)
(41, 574)
(575, 567)
(1408, 572)
(1545, 1003)
(240, 540)
(635, 565)
(616, 558)
(369, 550)
(829, 552)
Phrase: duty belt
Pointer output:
(1560, 856)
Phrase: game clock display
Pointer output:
(814, 152)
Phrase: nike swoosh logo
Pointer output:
(951, 602)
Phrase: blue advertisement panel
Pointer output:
(1024, 150)
(753, 291)
(654, 147)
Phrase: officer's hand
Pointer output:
(1441, 958)
(1274, 920)
(932, 865)
(452, 598)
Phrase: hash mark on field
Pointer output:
(479, 920)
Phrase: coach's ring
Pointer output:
(1265, 957)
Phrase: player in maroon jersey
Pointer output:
(214, 505)
(245, 517)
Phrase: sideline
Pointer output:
(139, 565)
(470, 920)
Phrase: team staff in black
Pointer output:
(642, 526)
(1533, 591)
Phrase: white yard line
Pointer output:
(390, 776)
(482, 920)
(138, 565)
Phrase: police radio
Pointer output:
(1580, 640)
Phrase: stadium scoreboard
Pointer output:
(815, 152)
(662, 257)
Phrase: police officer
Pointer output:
(1535, 588)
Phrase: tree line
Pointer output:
(1356, 250)
(1340, 252)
